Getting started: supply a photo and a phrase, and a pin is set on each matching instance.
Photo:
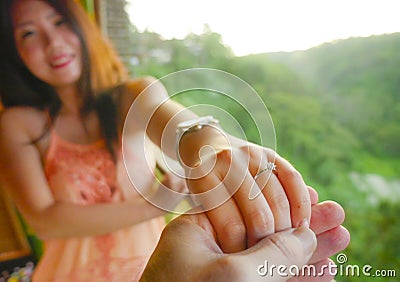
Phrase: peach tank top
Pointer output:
(86, 175)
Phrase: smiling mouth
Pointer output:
(61, 61)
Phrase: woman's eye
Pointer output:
(27, 34)
(60, 22)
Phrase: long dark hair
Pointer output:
(102, 70)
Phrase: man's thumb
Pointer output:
(283, 254)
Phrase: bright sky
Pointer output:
(257, 26)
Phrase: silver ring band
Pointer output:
(270, 167)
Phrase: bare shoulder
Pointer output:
(22, 124)
(137, 85)
(145, 91)
(132, 89)
(151, 86)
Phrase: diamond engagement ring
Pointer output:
(270, 167)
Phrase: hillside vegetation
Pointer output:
(336, 111)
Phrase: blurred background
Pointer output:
(329, 73)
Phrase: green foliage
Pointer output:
(336, 110)
(34, 242)
(359, 81)
(88, 5)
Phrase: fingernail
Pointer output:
(304, 223)
(307, 237)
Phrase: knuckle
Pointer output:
(262, 220)
(279, 202)
(293, 174)
(233, 230)
(224, 161)
(224, 155)
(269, 151)
(245, 148)
(259, 224)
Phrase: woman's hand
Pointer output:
(239, 220)
(244, 210)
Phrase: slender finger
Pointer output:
(258, 217)
(222, 211)
(295, 188)
(216, 199)
(325, 216)
(229, 226)
(271, 188)
(256, 213)
(313, 195)
(277, 201)
(330, 243)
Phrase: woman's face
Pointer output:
(46, 43)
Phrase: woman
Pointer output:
(60, 164)
(66, 96)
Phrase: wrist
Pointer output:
(193, 135)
